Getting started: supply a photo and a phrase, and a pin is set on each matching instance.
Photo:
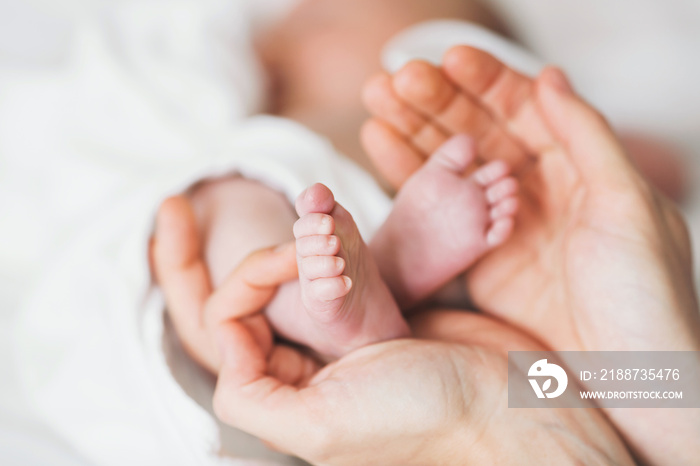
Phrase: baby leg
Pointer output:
(239, 216)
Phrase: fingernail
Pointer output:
(333, 241)
(348, 282)
(560, 82)
(339, 263)
(326, 220)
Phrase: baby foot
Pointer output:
(446, 217)
(341, 288)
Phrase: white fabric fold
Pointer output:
(431, 39)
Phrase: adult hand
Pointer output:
(598, 261)
(194, 308)
(400, 402)
(408, 402)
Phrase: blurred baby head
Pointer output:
(321, 53)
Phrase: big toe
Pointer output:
(316, 199)
(456, 155)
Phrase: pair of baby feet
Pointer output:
(448, 212)
(446, 216)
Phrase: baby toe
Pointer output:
(315, 267)
(315, 199)
(456, 155)
(502, 189)
(329, 289)
(500, 231)
(491, 173)
(318, 245)
(314, 224)
(508, 207)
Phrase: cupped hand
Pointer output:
(400, 402)
(194, 308)
(404, 402)
(598, 260)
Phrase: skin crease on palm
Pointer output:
(599, 260)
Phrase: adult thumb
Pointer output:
(249, 398)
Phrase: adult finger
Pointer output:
(182, 274)
(585, 134)
(428, 90)
(504, 92)
(253, 284)
(250, 397)
(394, 157)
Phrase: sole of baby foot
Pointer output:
(445, 218)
